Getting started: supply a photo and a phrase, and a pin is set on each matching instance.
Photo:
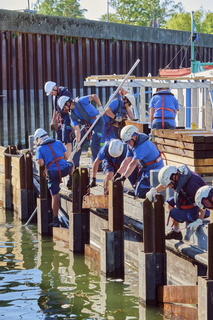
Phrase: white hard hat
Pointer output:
(49, 85)
(131, 98)
(201, 193)
(127, 132)
(62, 100)
(39, 135)
(127, 89)
(115, 148)
(164, 175)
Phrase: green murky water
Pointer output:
(41, 279)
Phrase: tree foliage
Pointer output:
(61, 8)
(182, 21)
(142, 12)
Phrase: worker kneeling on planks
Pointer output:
(141, 154)
(182, 207)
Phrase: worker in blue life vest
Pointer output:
(204, 197)
(117, 111)
(140, 151)
(182, 207)
(83, 114)
(53, 154)
(163, 108)
(111, 154)
(61, 118)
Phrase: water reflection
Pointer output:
(42, 279)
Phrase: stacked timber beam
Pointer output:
(191, 147)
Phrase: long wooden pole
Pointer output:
(109, 101)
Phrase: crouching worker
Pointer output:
(182, 207)
(111, 154)
(53, 154)
(140, 151)
(204, 197)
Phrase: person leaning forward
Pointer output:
(117, 111)
(111, 155)
(182, 207)
(53, 154)
(141, 153)
(83, 114)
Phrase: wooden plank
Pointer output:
(199, 170)
(178, 294)
(92, 201)
(182, 135)
(116, 206)
(186, 153)
(61, 234)
(188, 161)
(108, 77)
(186, 313)
(184, 144)
(142, 127)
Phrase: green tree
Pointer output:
(61, 8)
(182, 21)
(207, 24)
(142, 12)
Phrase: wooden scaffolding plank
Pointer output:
(200, 170)
(182, 135)
(178, 294)
(204, 154)
(184, 144)
(92, 201)
(188, 161)
(184, 312)
(109, 77)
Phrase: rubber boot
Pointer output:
(54, 223)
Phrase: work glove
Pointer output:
(92, 183)
(120, 179)
(150, 195)
(117, 175)
(118, 118)
(194, 225)
(100, 109)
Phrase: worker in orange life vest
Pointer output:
(163, 108)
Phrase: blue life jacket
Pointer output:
(186, 174)
(82, 112)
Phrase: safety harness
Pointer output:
(142, 137)
(48, 142)
(118, 110)
(163, 94)
(185, 175)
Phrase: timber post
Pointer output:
(112, 239)
(8, 197)
(79, 219)
(152, 260)
(44, 211)
(205, 284)
(29, 183)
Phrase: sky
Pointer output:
(96, 8)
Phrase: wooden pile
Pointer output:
(191, 147)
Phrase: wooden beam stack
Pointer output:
(191, 147)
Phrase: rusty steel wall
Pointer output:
(28, 60)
